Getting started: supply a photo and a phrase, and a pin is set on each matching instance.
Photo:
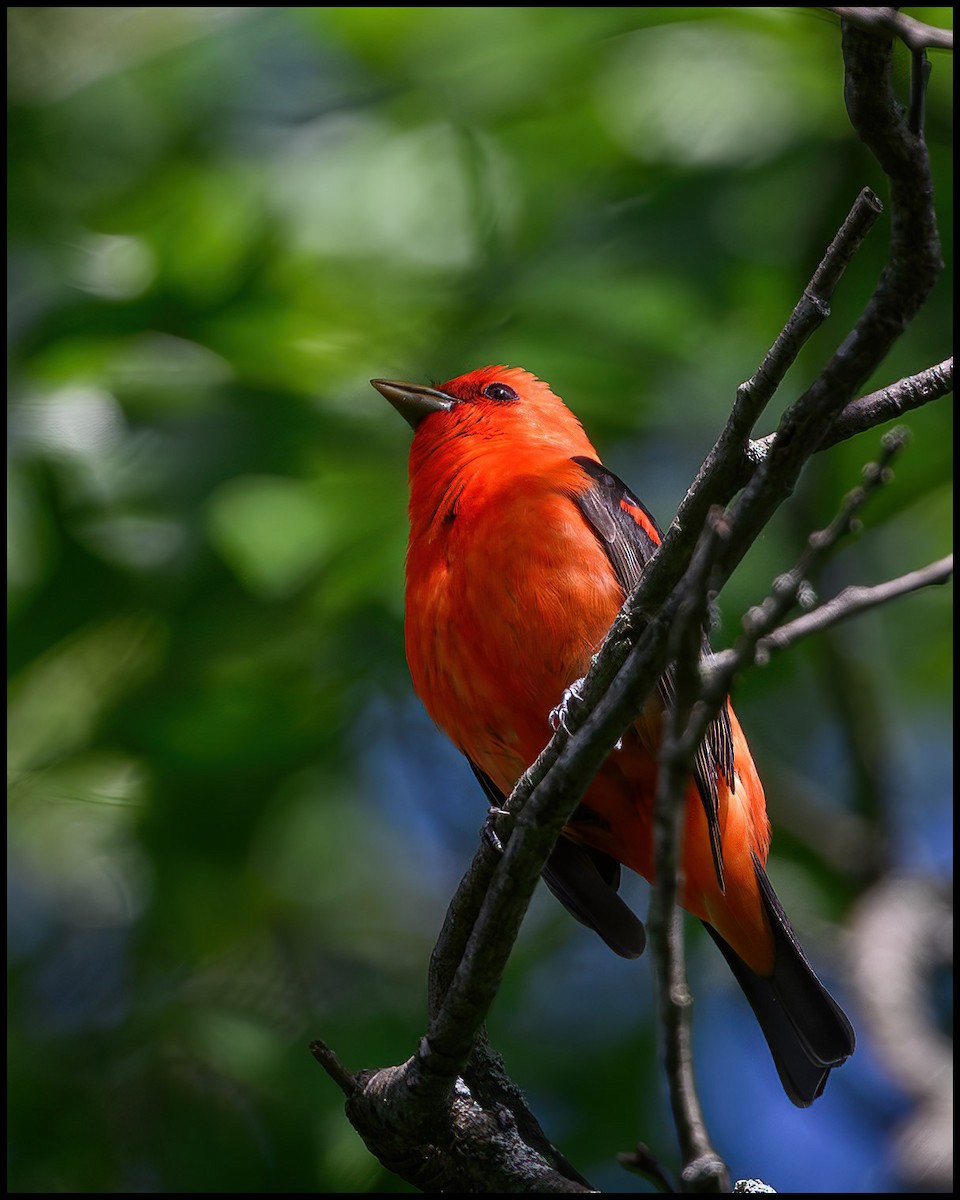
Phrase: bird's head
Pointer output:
(503, 405)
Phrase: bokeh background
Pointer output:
(231, 827)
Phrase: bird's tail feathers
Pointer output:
(807, 1031)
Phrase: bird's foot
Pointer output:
(560, 714)
(488, 831)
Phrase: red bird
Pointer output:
(522, 549)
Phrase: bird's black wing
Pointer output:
(629, 535)
(585, 881)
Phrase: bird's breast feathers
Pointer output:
(506, 603)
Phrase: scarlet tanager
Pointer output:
(522, 549)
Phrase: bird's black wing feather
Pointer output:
(629, 535)
(585, 881)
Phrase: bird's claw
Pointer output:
(488, 831)
(559, 715)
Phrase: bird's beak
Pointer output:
(412, 401)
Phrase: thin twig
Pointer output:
(760, 621)
(851, 602)
(919, 78)
(642, 1160)
(702, 1168)
(914, 34)
(726, 468)
(345, 1081)
(866, 412)
(810, 312)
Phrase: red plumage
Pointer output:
(522, 548)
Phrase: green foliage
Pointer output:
(230, 830)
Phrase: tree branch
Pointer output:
(702, 1169)
(728, 466)
(914, 34)
(876, 408)
(761, 621)
(851, 602)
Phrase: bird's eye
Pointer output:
(499, 391)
